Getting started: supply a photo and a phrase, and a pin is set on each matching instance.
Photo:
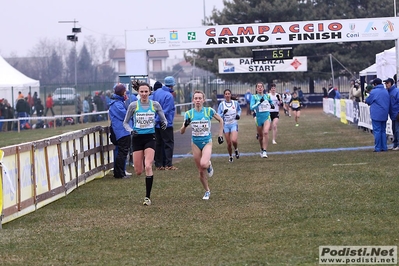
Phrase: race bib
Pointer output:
(264, 107)
(200, 128)
(295, 104)
(145, 120)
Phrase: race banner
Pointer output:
(264, 34)
(343, 111)
(364, 116)
(349, 110)
(248, 65)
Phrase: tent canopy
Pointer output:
(370, 71)
(10, 77)
(12, 81)
(386, 63)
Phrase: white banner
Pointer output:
(349, 110)
(264, 34)
(364, 119)
(247, 65)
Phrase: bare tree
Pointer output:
(91, 44)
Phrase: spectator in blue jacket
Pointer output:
(117, 113)
(130, 97)
(337, 94)
(248, 96)
(379, 108)
(164, 138)
(393, 110)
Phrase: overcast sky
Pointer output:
(25, 22)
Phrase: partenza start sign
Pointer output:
(248, 65)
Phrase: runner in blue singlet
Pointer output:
(143, 132)
(200, 119)
(261, 103)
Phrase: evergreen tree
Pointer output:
(55, 69)
(70, 66)
(85, 66)
(105, 73)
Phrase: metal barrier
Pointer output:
(37, 173)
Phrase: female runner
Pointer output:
(230, 111)
(261, 104)
(201, 144)
(143, 132)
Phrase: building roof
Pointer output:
(117, 53)
(184, 63)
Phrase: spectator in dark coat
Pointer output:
(2, 111)
(8, 114)
(78, 107)
(99, 104)
(23, 109)
(164, 138)
(39, 108)
(331, 91)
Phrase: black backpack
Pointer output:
(112, 135)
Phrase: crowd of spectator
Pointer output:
(32, 106)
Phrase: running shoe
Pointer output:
(147, 201)
(395, 149)
(264, 154)
(171, 168)
(206, 195)
(210, 170)
(237, 153)
(274, 142)
(230, 159)
(127, 173)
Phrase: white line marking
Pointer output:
(345, 164)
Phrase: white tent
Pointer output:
(386, 63)
(370, 71)
(12, 81)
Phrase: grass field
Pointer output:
(274, 211)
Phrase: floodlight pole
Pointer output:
(76, 76)
(332, 71)
(204, 13)
(74, 39)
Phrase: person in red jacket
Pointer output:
(49, 104)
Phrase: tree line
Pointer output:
(52, 62)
